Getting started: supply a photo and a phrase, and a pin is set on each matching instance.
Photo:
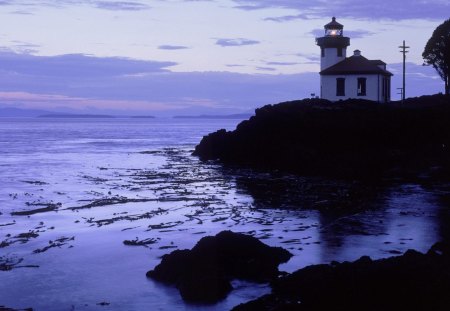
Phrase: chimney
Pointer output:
(356, 53)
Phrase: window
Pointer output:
(333, 32)
(322, 50)
(386, 89)
(339, 52)
(361, 86)
(340, 87)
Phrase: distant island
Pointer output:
(76, 116)
(22, 113)
(142, 117)
(37, 113)
(351, 139)
(226, 116)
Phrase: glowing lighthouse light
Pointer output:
(334, 32)
(333, 29)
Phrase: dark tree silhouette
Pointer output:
(437, 52)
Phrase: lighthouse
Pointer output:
(333, 45)
(343, 77)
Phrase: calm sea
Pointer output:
(92, 184)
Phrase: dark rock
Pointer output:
(203, 274)
(48, 208)
(413, 281)
(103, 303)
(352, 138)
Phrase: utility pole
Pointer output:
(404, 51)
(400, 92)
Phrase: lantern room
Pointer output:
(333, 44)
(333, 28)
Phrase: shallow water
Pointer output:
(111, 180)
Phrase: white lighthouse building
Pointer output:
(343, 77)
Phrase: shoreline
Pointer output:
(351, 139)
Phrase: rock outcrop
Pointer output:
(203, 274)
(413, 281)
(352, 138)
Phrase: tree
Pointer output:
(437, 52)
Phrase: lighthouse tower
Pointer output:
(333, 45)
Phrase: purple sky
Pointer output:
(195, 56)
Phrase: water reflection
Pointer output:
(356, 218)
(278, 190)
(318, 220)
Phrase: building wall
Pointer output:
(330, 58)
(374, 87)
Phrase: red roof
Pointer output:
(356, 65)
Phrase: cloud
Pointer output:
(266, 68)
(22, 12)
(120, 85)
(99, 4)
(356, 34)
(281, 63)
(319, 9)
(250, 6)
(311, 58)
(420, 80)
(235, 65)
(287, 18)
(75, 66)
(24, 47)
(80, 82)
(120, 6)
(56, 102)
(172, 47)
(235, 42)
(373, 10)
